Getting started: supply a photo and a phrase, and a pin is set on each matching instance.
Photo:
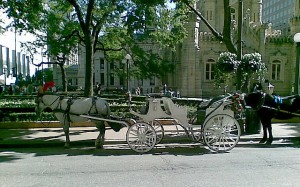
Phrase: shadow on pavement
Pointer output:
(11, 154)
(121, 149)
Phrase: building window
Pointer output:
(122, 81)
(233, 15)
(276, 69)
(112, 79)
(70, 82)
(210, 69)
(112, 66)
(102, 78)
(101, 63)
(122, 65)
(152, 81)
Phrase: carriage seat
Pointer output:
(207, 103)
(155, 111)
(176, 112)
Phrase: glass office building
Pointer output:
(278, 12)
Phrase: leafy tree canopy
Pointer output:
(117, 27)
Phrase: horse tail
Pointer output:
(115, 126)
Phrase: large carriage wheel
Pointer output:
(221, 132)
(141, 137)
(159, 130)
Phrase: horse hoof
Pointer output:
(67, 145)
(99, 146)
(262, 141)
(269, 142)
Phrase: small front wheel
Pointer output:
(159, 130)
(221, 132)
(141, 137)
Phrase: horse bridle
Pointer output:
(39, 100)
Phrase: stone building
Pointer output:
(196, 57)
(200, 51)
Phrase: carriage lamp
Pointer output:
(297, 41)
(127, 57)
(4, 72)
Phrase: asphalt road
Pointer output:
(169, 165)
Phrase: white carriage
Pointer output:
(219, 129)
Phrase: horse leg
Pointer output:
(270, 140)
(100, 139)
(66, 127)
(264, 139)
(265, 135)
(267, 128)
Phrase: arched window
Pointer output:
(276, 70)
(210, 65)
(233, 14)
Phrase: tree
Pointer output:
(116, 27)
(45, 74)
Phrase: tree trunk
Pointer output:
(63, 77)
(88, 88)
(227, 38)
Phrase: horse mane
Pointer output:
(255, 99)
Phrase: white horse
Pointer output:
(69, 110)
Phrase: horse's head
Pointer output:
(40, 103)
(255, 99)
(46, 103)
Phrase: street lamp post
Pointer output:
(297, 41)
(4, 72)
(128, 57)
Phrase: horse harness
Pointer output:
(70, 101)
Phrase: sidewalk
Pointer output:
(85, 136)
